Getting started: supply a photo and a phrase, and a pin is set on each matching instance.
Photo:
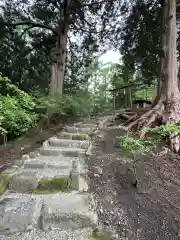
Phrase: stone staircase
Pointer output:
(46, 195)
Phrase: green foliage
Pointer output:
(131, 145)
(77, 105)
(162, 133)
(14, 109)
(27, 49)
(133, 148)
(19, 111)
(145, 92)
(2, 130)
(72, 105)
(16, 119)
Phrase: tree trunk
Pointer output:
(167, 108)
(164, 14)
(59, 64)
(171, 83)
(129, 97)
(58, 67)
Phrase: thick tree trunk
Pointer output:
(171, 85)
(164, 16)
(58, 67)
(167, 108)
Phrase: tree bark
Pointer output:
(167, 108)
(58, 66)
(164, 16)
(171, 83)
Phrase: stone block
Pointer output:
(18, 213)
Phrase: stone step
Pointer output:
(73, 136)
(54, 234)
(62, 211)
(63, 151)
(85, 125)
(50, 162)
(91, 121)
(31, 179)
(68, 143)
(78, 130)
(67, 210)
(18, 213)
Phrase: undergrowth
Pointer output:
(20, 111)
(133, 147)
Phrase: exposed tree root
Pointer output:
(148, 117)
(131, 114)
(122, 116)
(161, 114)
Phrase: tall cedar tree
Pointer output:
(88, 21)
(166, 109)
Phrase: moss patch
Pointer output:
(102, 235)
(48, 191)
(80, 137)
(4, 182)
(46, 186)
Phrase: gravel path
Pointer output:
(149, 212)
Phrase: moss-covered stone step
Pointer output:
(73, 136)
(28, 179)
(68, 143)
(73, 129)
(67, 152)
(47, 186)
(67, 211)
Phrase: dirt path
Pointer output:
(149, 212)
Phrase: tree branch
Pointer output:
(28, 23)
(94, 3)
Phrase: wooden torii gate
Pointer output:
(127, 94)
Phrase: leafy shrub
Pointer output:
(16, 120)
(133, 148)
(8, 89)
(72, 105)
(77, 105)
(14, 109)
(163, 133)
(20, 111)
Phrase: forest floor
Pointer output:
(149, 212)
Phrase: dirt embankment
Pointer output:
(13, 150)
(149, 212)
